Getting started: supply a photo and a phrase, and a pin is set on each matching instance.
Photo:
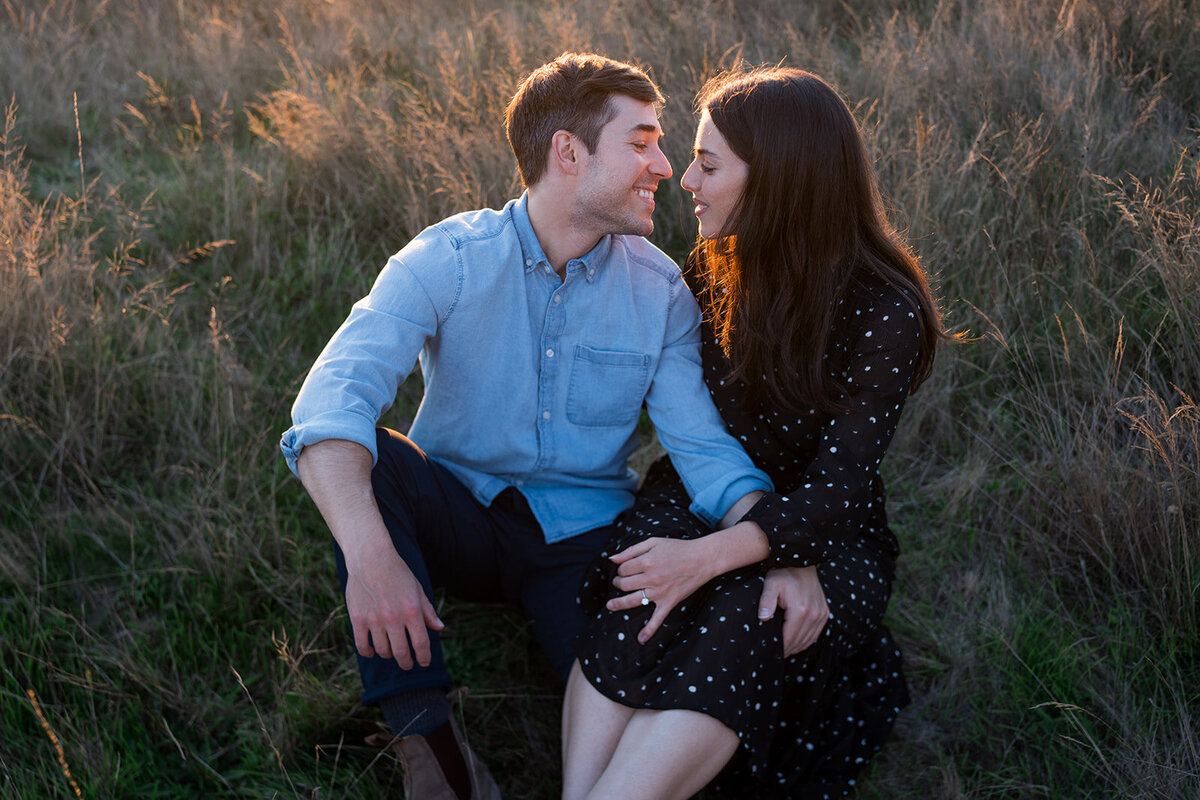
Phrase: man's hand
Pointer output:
(389, 609)
(663, 572)
(387, 606)
(797, 590)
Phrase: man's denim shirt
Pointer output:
(530, 381)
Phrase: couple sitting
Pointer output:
(726, 616)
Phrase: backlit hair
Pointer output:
(809, 221)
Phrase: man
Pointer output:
(541, 330)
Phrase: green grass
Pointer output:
(166, 589)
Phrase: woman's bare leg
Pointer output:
(665, 755)
(592, 725)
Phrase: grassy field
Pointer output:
(193, 193)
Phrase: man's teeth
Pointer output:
(644, 193)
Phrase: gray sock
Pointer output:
(419, 712)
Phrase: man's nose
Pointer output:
(660, 166)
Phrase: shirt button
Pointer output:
(550, 353)
(591, 272)
(557, 298)
(529, 262)
(545, 415)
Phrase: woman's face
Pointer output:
(715, 178)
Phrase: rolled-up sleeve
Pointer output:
(355, 378)
(714, 468)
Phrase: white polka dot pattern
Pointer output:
(807, 725)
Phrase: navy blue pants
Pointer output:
(478, 553)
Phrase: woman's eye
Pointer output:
(707, 170)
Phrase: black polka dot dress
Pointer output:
(807, 725)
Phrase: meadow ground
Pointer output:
(192, 194)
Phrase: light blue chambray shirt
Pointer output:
(530, 381)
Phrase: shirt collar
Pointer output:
(594, 260)
(531, 249)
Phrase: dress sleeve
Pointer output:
(839, 495)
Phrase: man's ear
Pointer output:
(565, 152)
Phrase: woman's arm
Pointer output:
(833, 498)
(665, 571)
(838, 496)
(818, 517)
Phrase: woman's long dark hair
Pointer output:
(809, 223)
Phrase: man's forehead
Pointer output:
(634, 116)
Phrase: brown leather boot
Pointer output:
(483, 787)
(423, 776)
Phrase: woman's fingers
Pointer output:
(811, 622)
(626, 602)
(768, 602)
(656, 619)
(633, 551)
(639, 598)
(799, 593)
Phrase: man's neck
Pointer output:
(561, 238)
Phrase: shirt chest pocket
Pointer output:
(607, 386)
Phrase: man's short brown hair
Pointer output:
(572, 93)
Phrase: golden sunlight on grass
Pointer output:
(192, 195)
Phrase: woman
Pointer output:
(818, 323)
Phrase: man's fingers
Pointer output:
(432, 620)
(419, 637)
(362, 641)
(383, 644)
(404, 639)
(410, 634)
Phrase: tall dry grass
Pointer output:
(171, 262)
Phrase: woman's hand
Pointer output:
(663, 572)
(797, 590)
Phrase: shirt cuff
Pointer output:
(712, 503)
(334, 425)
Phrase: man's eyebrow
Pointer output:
(645, 127)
